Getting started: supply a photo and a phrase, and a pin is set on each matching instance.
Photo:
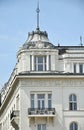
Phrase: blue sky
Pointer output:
(62, 19)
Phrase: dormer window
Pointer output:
(78, 68)
(40, 63)
(81, 68)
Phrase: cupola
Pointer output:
(37, 38)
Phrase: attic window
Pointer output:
(40, 63)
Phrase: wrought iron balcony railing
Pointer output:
(15, 113)
(43, 111)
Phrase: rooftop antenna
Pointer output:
(38, 11)
(81, 43)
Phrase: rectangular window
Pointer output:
(40, 63)
(73, 106)
(41, 101)
(49, 100)
(32, 100)
(74, 68)
(41, 127)
(81, 68)
(72, 102)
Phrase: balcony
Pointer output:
(47, 112)
(14, 118)
(35, 114)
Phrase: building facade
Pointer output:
(46, 88)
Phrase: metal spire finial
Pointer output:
(38, 10)
(81, 43)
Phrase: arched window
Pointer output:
(72, 102)
(73, 126)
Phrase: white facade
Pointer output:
(46, 89)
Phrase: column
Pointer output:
(46, 100)
(83, 68)
(77, 68)
(35, 101)
(47, 63)
(32, 62)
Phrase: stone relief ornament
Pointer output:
(39, 44)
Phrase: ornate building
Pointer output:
(46, 88)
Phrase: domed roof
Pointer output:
(37, 39)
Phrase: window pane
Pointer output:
(49, 101)
(40, 63)
(49, 104)
(70, 98)
(41, 101)
(38, 104)
(74, 97)
(43, 127)
(81, 68)
(73, 126)
(40, 67)
(70, 106)
(32, 100)
(75, 106)
(73, 102)
(39, 127)
(76, 126)
(43, 104)
(32, 104)
(40, 59)
(74, 68)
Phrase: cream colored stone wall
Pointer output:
(60, 89)
(5, 116)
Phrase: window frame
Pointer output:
(41, 126)
(50, 101)
(75, 68)
(41, 101)
(80, 68)
(73, 126)
(72, 102)
(38, 63)
(32, 101)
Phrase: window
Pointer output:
(81, 68)
(41, 127)
(49, 100)
(73, 126)
(72, 102)
(78, 68)
(74, 68)
(32, 100)
(41, 101)
(40, 63)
